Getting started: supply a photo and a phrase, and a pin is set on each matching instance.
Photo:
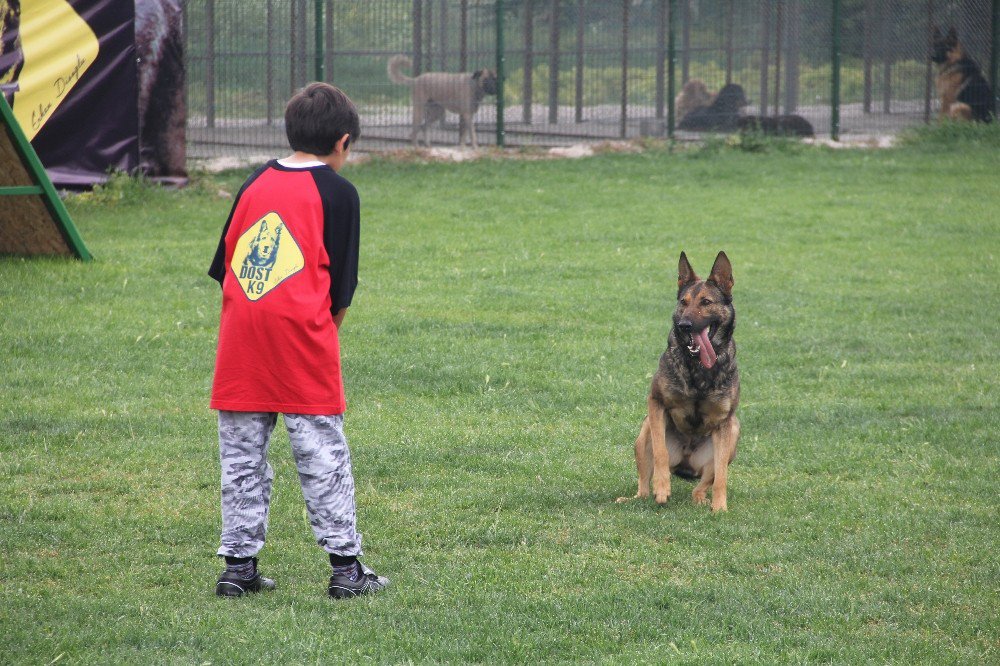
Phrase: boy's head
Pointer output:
(318, 116)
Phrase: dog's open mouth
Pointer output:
(702, 347)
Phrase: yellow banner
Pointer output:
(58, 48)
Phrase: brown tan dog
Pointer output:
(693, 95)
(691, 427)
(437, 92)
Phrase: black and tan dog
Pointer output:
(437, 92)
(691, 427)
(964, 92)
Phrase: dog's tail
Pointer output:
(398, 63)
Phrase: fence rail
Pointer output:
(574, 70)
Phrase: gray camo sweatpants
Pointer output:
(324, 465)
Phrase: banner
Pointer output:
(69, 69)
(159, 44)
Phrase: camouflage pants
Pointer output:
(324, 465)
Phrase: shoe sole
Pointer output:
(226, 589)
(340, 592)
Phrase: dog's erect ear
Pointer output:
(722, 274)
(685, 274)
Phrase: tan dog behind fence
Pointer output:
(437, 92)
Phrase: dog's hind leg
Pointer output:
(418, 124)
(960, 111)
(707, 476)
(472, 134)
(422, 117)
(702, 461)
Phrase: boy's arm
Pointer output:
(338, 317)
(217, 271)
(342, 228)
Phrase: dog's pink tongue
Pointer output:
(707, 353)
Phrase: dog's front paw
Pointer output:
(719, 505)
(661, 492)
(699, 497)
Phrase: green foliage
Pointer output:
(497, 357)
(949, 135)
(118, 189)
(758, 142)
(744, 142)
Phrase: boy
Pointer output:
(288, 266)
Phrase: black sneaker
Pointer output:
(232, 584)
(367, 582)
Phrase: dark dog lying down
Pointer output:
(790, 125)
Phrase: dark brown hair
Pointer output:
(318, 116)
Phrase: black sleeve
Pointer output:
(217, 271)
(341, 236)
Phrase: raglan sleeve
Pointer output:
(341, 237)
(217, 271)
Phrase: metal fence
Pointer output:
(571, 70)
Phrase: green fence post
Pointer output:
(671, 57)
(500, 74)
(994, 56)
(319, 39)
(835, 77)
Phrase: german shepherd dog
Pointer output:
(691, 427)
(264, 248)
(721, 115)
(964, 92)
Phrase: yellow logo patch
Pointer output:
(266, 255)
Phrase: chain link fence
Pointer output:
(570, 70)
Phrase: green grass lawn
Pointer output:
(509, 317)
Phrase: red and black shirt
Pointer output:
(287, 262)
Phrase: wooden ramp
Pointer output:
(33, 220)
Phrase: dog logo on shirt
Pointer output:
(265, 256)
(264, 248)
